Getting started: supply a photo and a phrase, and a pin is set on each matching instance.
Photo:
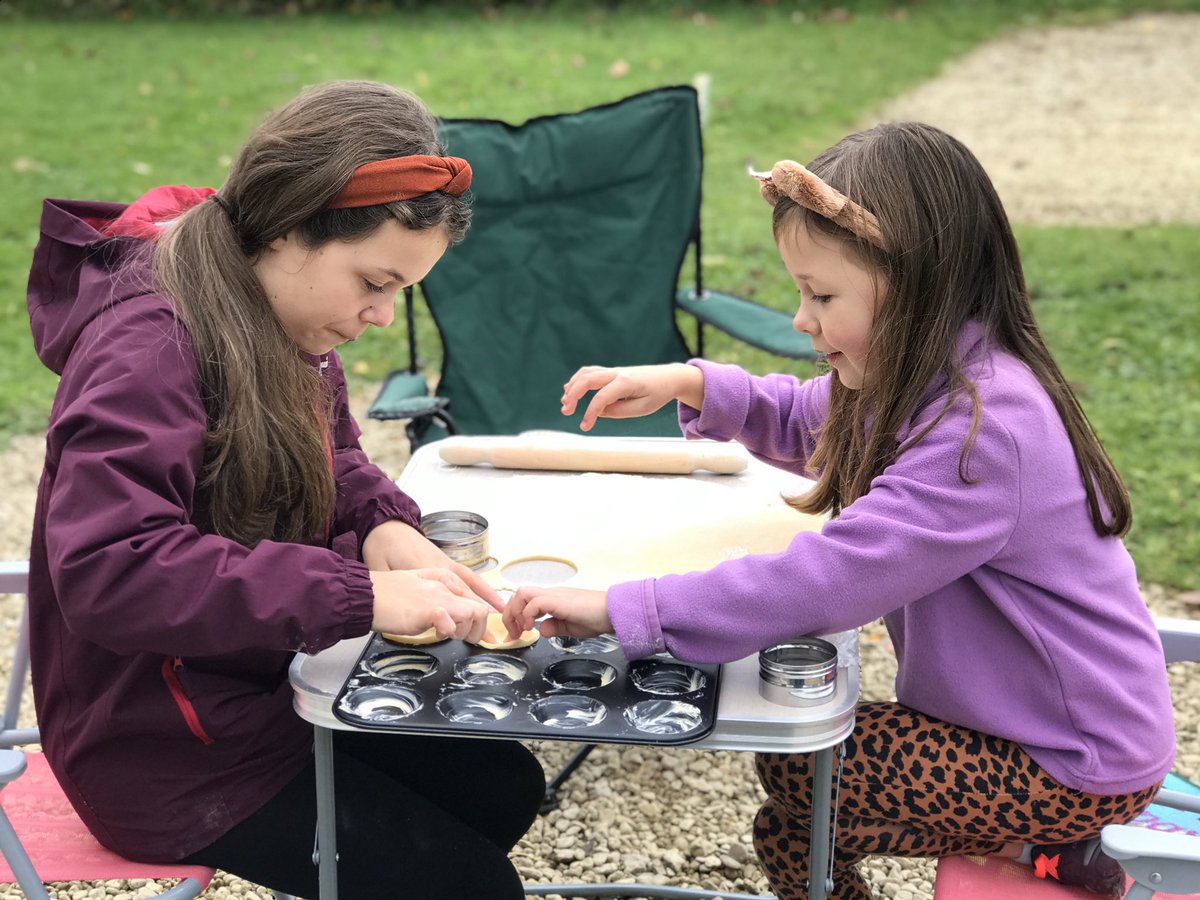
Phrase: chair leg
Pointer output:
(18, 861)
(187, 889)
(550, 799)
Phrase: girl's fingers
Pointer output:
(481, 589)
(513, 619)
(450, 581)
(443, 622)
(589, 378)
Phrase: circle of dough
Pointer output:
(495, 625)
(564, 569)
(428, 636)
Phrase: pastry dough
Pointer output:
(428, 636)
(496, 636)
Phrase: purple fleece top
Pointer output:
(1008, 613)
(160, 650)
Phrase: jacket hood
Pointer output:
(81, 265)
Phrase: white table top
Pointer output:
(616, 527)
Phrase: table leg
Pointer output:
(819, 843)
(326, 850)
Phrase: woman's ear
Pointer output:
(280, 243)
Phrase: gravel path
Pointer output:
(1064, 119)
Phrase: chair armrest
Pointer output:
(752, 323)
(12, 765)
(1178, 800)
(1180, 639)
(404, 395)
(14, 576)
(1168, 863)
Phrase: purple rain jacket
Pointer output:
(1008, 613)
(159, 650)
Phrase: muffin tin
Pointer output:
(556, 689)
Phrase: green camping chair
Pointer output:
(582, 223)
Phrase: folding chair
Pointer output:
(41, 838)
(1158, 862)
(582, 223)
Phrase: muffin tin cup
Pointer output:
(557, 689)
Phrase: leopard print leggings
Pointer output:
(916, 786)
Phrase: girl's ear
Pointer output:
(280, 243)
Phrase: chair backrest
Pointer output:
(581, 224)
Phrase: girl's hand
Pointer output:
(413, 600)
(573, 612)
(631, 391)
(396, 545)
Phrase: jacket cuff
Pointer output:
(360, 608)
(635, 618)
(387, 509)
(357, 610)
(726, 403)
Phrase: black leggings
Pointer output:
(416, 816)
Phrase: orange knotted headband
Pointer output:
(403, 178)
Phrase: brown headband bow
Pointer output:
(790, 179)
(402, 178)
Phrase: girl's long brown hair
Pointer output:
(266, 466)
(951, 257)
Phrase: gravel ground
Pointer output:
(1064, 119)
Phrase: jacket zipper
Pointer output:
(170, 665)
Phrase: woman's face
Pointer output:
(330, 295)
(838, 300)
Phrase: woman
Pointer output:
(206, 511)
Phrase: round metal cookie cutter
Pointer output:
(462, 535)
(799, 672)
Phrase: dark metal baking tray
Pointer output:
(556, 689)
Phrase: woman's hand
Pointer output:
(632, 391)
(411, 601)
(396, 545)
(573, 612)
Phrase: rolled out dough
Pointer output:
(428, 636)
(496, 636)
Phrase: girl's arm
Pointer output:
(918, 529)
(776, 417)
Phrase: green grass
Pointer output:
(104, 109)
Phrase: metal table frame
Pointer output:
(745, 721)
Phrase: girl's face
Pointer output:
(331, 295)
(838, 300)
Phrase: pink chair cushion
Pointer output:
(994, 878)
(57, 842)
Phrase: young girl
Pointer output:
(972, 508)
(206, 511)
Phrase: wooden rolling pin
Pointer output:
(596, 455)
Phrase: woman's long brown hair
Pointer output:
(951, 257)
(266, 466)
